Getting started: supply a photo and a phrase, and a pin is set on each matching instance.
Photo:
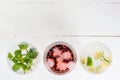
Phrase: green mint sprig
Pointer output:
(23, 61)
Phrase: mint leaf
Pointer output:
(33, 53)
(10, 56)
(29, 67)
(18, 54)
(24, 67)
(28, 61)
(89, 61)
(15, 60)
(16, 67)
(23, 45)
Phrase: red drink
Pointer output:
(60, 58)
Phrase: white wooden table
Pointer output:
(42, 22)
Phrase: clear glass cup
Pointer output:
(95, 57)
(23, 58)
(59, 58)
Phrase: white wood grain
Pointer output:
(26, 18)
(35, 20)
(60, 19)
(62, 1)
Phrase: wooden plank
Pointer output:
(61, 1)
(67, 19)
(18, 19)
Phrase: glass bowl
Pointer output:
(95, 57)
(59, 58)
